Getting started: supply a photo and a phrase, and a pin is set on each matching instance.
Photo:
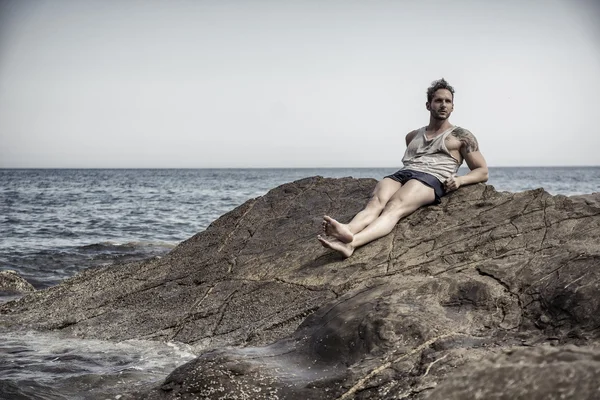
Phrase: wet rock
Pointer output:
(274, 315)
(11, 283)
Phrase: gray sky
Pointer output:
(292, 83)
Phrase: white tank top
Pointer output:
(431, 156)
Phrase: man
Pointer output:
(431, 161)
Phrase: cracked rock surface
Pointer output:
(487, 295)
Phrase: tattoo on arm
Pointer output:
(469, 143)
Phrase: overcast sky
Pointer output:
(293, 83)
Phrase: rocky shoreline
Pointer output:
(487, 295)
(12, 283)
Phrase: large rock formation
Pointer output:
(487, 295)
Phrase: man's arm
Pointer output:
(478, 167)
(469, 150)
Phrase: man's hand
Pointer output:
(452, 183)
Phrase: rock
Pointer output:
(12, 283)
(540, 373)
(274, 315)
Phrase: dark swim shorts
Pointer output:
(405, 175)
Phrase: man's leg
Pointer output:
(410, 197)
(384, 190)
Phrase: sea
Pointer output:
(55, 223)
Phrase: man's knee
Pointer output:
(376, 203)
(396, 206)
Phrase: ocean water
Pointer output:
(46, 366)
(55, 223)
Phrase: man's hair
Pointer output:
(437, 85)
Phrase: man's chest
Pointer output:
(452, 143)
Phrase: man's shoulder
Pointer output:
(414, 132)
(459, 130)
(467, 140)
(411, 135)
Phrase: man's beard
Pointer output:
(440, 117)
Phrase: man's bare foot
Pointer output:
(340, 231)
(346, 249)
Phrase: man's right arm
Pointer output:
(411, 135)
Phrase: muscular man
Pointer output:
(431, 161)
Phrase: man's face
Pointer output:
(441, 105)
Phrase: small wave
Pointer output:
(68, 368)
(28, 390)
(12, 220)
(47, 267)
(127, 246)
